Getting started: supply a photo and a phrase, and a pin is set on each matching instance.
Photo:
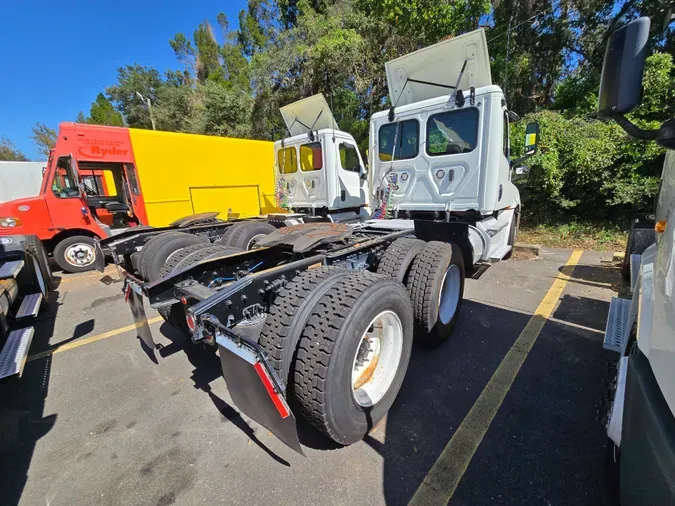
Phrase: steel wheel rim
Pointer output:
(254, 240)
(377, 358)
(80, 254)
(448, 298)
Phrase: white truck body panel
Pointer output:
(20, 180)
(478, 180)
(332, 186)
(656, 291)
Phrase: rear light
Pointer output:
(183, 300)
(277, 399)
(191, 323)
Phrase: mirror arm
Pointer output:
(634, 130)
(518, 161)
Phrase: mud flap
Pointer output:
(132, 294)
(255, 390)
(99, 259)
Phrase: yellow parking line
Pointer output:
(442, 480)
(87, 340)
(88, 276)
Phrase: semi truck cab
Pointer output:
(442, 151)
(318, 168)
(90, 189)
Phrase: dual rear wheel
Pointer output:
(341, 340)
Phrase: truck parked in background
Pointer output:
(641, 428)
(20, 179)
(102, 180)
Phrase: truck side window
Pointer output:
(406, 138)
(287, 161)
(507, 147)
(133, 179)
(64, 185)
(311, 157)
(452, 132)
(349, 158)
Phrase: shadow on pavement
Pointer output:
(207, 368)
(22, 402)
(545, 445)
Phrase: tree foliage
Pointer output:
(44, 138)
(102, 112)
(9, 153)
(546, 56)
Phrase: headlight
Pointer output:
(10, 221)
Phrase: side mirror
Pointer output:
(531, 138)
(622, 69)
(364, 175)
(521, 171)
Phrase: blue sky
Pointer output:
(57, 56)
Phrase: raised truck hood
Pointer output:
(440, 64)
(310, 113)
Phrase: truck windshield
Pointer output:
(452, 132)
(64, 184)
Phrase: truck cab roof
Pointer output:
(439, 101)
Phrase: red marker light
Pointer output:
(191, 323)
(277, 399)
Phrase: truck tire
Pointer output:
(202, 254)
(243, 235)
(288, 316)
(178, 257)
(398, 258)
(34, 246)
(164, 251)
(346, 377)
(149, 249)
(436, 288)
(75, 253)
(175, 314)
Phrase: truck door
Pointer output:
(66, 199)
(349, 170)
(134, 194)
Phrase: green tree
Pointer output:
(102, 112)
(8, 151)
(44, 138)
(131, 80)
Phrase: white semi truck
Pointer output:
(316, 317)
(641, 329)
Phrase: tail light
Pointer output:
(191, 322)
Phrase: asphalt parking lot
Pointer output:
(506, 412)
